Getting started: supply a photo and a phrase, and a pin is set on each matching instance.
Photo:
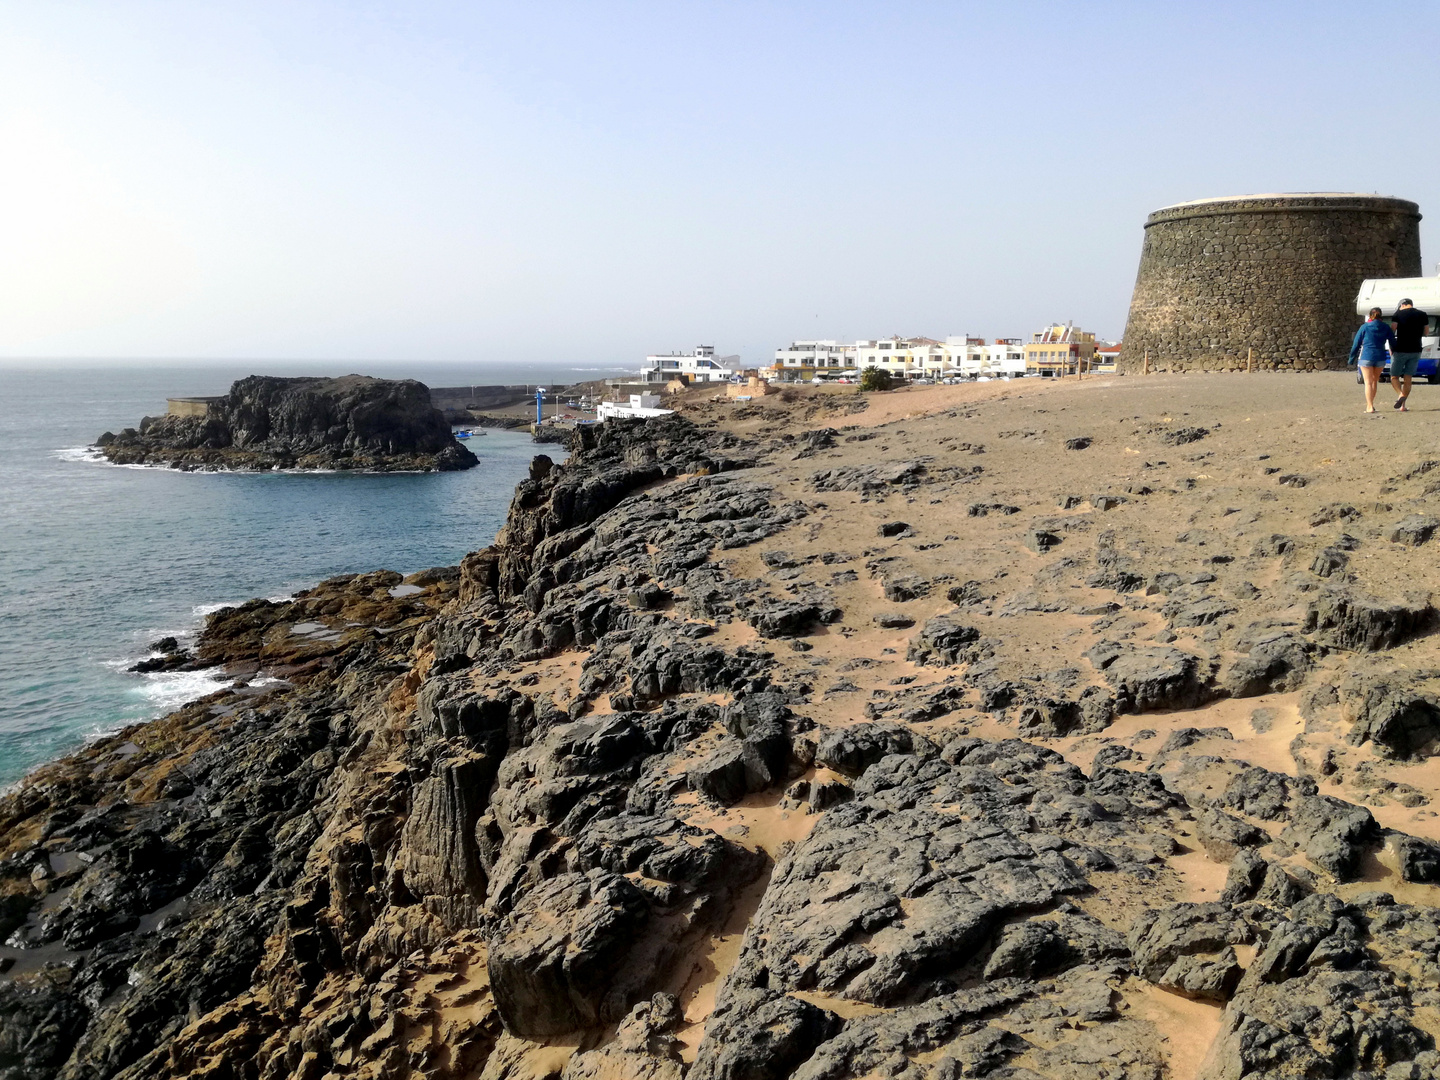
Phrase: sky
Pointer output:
(548, 182)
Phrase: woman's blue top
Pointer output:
(1370, 341)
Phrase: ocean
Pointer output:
(98, 560)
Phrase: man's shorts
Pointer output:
(1403, 363)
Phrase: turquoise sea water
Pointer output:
(98, 560)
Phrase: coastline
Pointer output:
(702, 705)
(91, 455)
(138, 548)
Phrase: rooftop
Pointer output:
(1283, 195)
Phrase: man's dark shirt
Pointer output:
(1409, 329)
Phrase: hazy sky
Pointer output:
(591, 181)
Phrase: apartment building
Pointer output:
(959, 356)
(807, 359)
(905, 358)
(1059, 350)
(976, 357)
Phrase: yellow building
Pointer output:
(1059, 350)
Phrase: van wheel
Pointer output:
(1433, 379)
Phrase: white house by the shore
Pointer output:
(701, 365)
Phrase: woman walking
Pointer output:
(1369, 346)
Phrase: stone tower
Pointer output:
(1276, 273)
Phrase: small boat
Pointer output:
(464, 434)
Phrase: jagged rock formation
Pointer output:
(264, 422)
(643, 790)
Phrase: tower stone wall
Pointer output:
(1274, 273)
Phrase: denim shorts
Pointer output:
(1373, 361)
(1403, 363)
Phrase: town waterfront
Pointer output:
(98, 560)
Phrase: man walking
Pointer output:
(1410, 323)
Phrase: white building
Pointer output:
(899, 356)
(811, 359)
(702, 365)
(974, 357)
(914, 358)
(642, 406)
(956, 357)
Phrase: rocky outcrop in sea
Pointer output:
(594, 805)
(265, 422)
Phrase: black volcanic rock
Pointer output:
(563, 798)
(265, 422)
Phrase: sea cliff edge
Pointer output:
(714, 765)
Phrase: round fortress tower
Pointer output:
(1273, 273)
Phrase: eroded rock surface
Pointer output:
(699, 771)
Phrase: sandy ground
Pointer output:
(1276, 449)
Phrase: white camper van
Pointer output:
(1424, 292)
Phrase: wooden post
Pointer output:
(1250, 362)
(1147, 362)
